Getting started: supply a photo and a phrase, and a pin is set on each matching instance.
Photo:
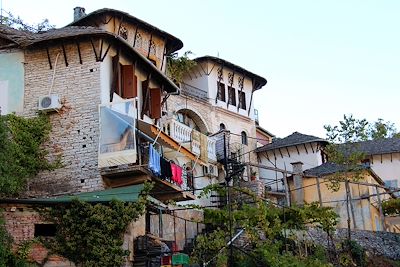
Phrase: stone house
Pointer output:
(383, 156)
(366, 192)
(282, 152)
(102, 82)
(216, 103)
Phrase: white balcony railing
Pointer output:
(183, 134)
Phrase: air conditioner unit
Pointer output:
(211, 170)
(49, 103)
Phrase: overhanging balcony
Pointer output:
(124, 151)
(200, 144)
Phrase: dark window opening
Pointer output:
(244, 138)
(222, 126)
(124, 81)
(221, 92)
(45, 230)
(242, 100)
(231, 96)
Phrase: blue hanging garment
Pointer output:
(154, 161)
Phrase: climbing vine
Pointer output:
(92, 235)
(7, 257)
(177, 66)
(23, 154)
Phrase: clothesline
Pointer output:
(164, 168)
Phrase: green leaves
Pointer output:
(391, 206)
(353, 130)
(22, 153)
(265, 226)
(92, 235)
(177, 66)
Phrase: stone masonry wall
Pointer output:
(378, 243)
(75, 132)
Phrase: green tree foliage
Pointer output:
(92, 235)
(265, 229)
(178, 66)
(352, 130)
(344, 147)
(17, 23)
(391, 206)
(23, 155)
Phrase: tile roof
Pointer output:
(174, 43)
(373, 147)
(331, 168)
(294, 139)
(26, 39)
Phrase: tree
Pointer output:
(266, 226)
(353, 130)
(17, 23)
(178, 66)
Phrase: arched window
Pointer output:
(244, 138)
(222, 127)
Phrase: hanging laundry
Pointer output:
(154, 161)
(166, 172)
(176, 173)
(204, 147)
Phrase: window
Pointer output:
(138, 40)
(222, 127)
(242, 100)
(221, 92)
(153, 49)
(123, 32)
(124, 80)
(45, 230)
(244, 138)
(231, 96)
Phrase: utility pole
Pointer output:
(227, 180)
(348, 211)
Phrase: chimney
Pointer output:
(298, 182)
(79, 12)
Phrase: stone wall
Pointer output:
(378, 243)
(75, 132)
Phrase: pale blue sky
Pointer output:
(321, 58)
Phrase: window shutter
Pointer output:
(145, 97)
(115, 77)
(129, 83)
(155, 105)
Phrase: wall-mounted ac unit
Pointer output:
(49, 103)
(211, 170)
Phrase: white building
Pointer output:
(283, 152)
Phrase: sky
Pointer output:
(322, 59)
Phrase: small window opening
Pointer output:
(221, 92)
(45, 230)
(244, 138)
